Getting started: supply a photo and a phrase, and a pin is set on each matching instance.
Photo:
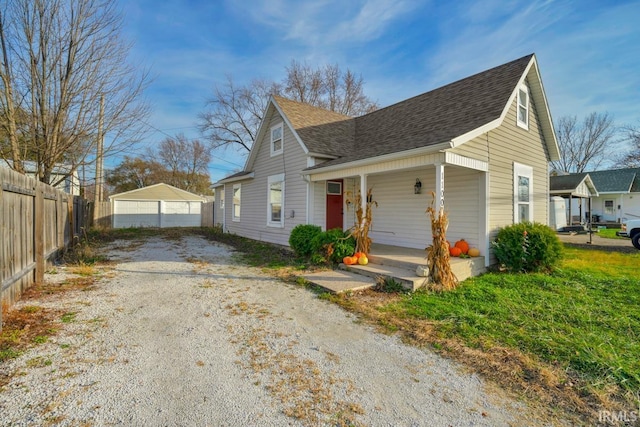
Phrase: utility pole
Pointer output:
(99, 193)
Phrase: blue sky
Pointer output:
(588, 51)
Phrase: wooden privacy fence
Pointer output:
(37, 222)
(207, 215)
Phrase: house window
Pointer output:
(236, 201)
(608, 207)
(222, 199)
(276, 140)
(275, 198)
(523, 107)
(522, 193)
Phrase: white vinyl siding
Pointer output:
(254, 191)
(400, 218)
(629, 206)
(510, 143)
(319, 204)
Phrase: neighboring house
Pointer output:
(579, 191)
(159, 205)
(66, 179)
(481, 144)
(618, 194)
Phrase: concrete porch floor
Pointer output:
(393, 262)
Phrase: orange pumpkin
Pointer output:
(463, 245)
(358, 254)
(474, 252)
(363, 260)
(455, 251)
(348, 260)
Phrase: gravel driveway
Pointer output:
(180, 334)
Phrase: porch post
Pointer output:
(570, 210)
(363, 194)
(439, 203)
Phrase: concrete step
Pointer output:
(463, 268)
(405, 276)
(339, 281)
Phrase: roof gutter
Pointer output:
(250, 175)
(385, 157)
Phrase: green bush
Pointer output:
(527, 247)
(301, 237)
(340, 242)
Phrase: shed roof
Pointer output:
(158, 192)
(569, 185)
(565, 182)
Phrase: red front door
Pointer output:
(334, 204)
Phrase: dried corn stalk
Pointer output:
(440, 274)
(360, 230)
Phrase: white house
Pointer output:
(617, 194)
(481, 144)
(63, 177)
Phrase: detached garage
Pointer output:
(159, 205)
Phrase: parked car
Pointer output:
(631, 228)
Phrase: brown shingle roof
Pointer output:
(322, 131)
(434, 117)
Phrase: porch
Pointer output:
(391, 262)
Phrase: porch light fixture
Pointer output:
(417, 189)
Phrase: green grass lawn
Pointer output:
(610, 233)
(585, 317)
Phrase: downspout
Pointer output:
(224, 211)
(307, 180)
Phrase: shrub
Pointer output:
(301, 237)
(333, 245)
(527, 247)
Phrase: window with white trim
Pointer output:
(523, 107)
(608, 207)
(222, 198)
(334, 188)
(237, 188)
(522, 193)
(276, 139)
(275, 200)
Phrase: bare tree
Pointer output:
(186, 160)
(583, 146)
(58, 58)
(233, 114)
(328, 87)
(632, 158)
